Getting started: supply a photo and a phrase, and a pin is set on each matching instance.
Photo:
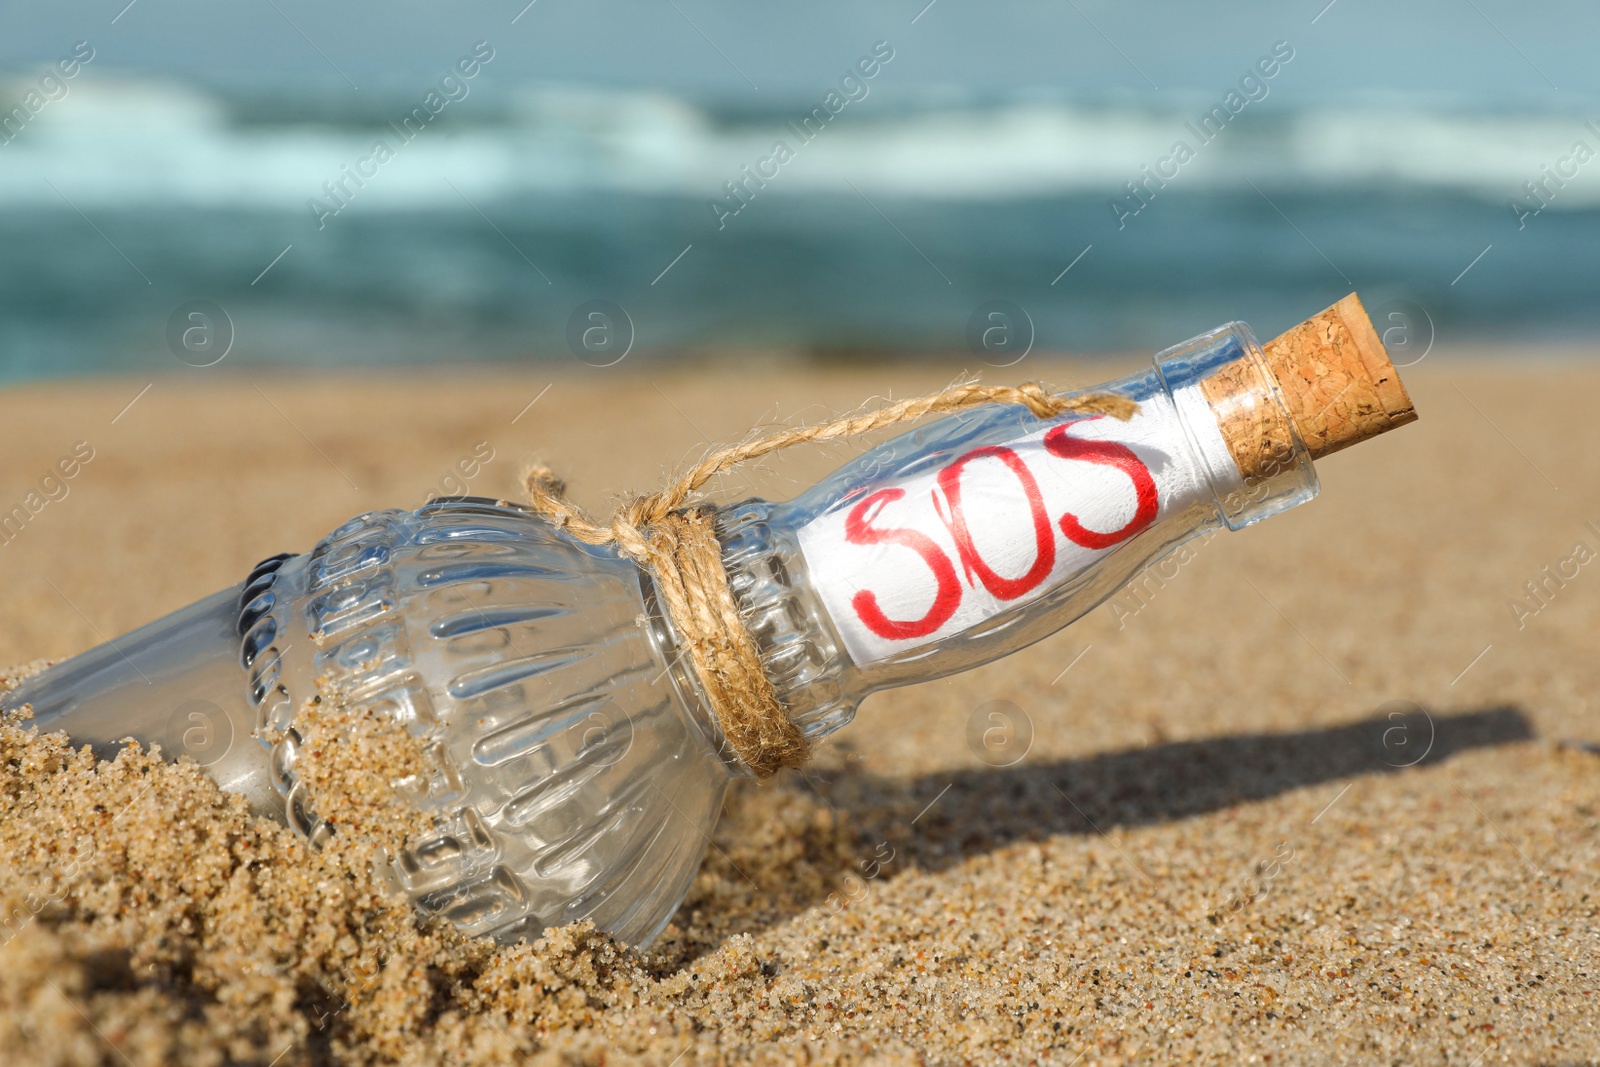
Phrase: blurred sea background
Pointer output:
(200, 163)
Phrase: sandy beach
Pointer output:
(1323, 794)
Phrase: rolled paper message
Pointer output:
(582, 691)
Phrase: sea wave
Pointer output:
(114, 144)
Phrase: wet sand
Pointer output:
(1320, 795)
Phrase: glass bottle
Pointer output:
(577, 771)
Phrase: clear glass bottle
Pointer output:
(577, 770)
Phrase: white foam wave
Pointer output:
(109, 145)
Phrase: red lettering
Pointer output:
(1044, 537)
(858, 530)
(1110, 454)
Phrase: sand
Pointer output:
(1321, 794)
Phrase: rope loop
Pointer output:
(674, 537)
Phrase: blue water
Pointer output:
(480, 240)
(823, 274)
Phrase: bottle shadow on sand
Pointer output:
(936, 821)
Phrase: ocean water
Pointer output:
(500, 228)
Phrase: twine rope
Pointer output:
(674, 536)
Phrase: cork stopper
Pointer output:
(1337, 381)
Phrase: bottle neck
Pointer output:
(974, 536)
(813, 677)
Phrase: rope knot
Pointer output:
(677, 544)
